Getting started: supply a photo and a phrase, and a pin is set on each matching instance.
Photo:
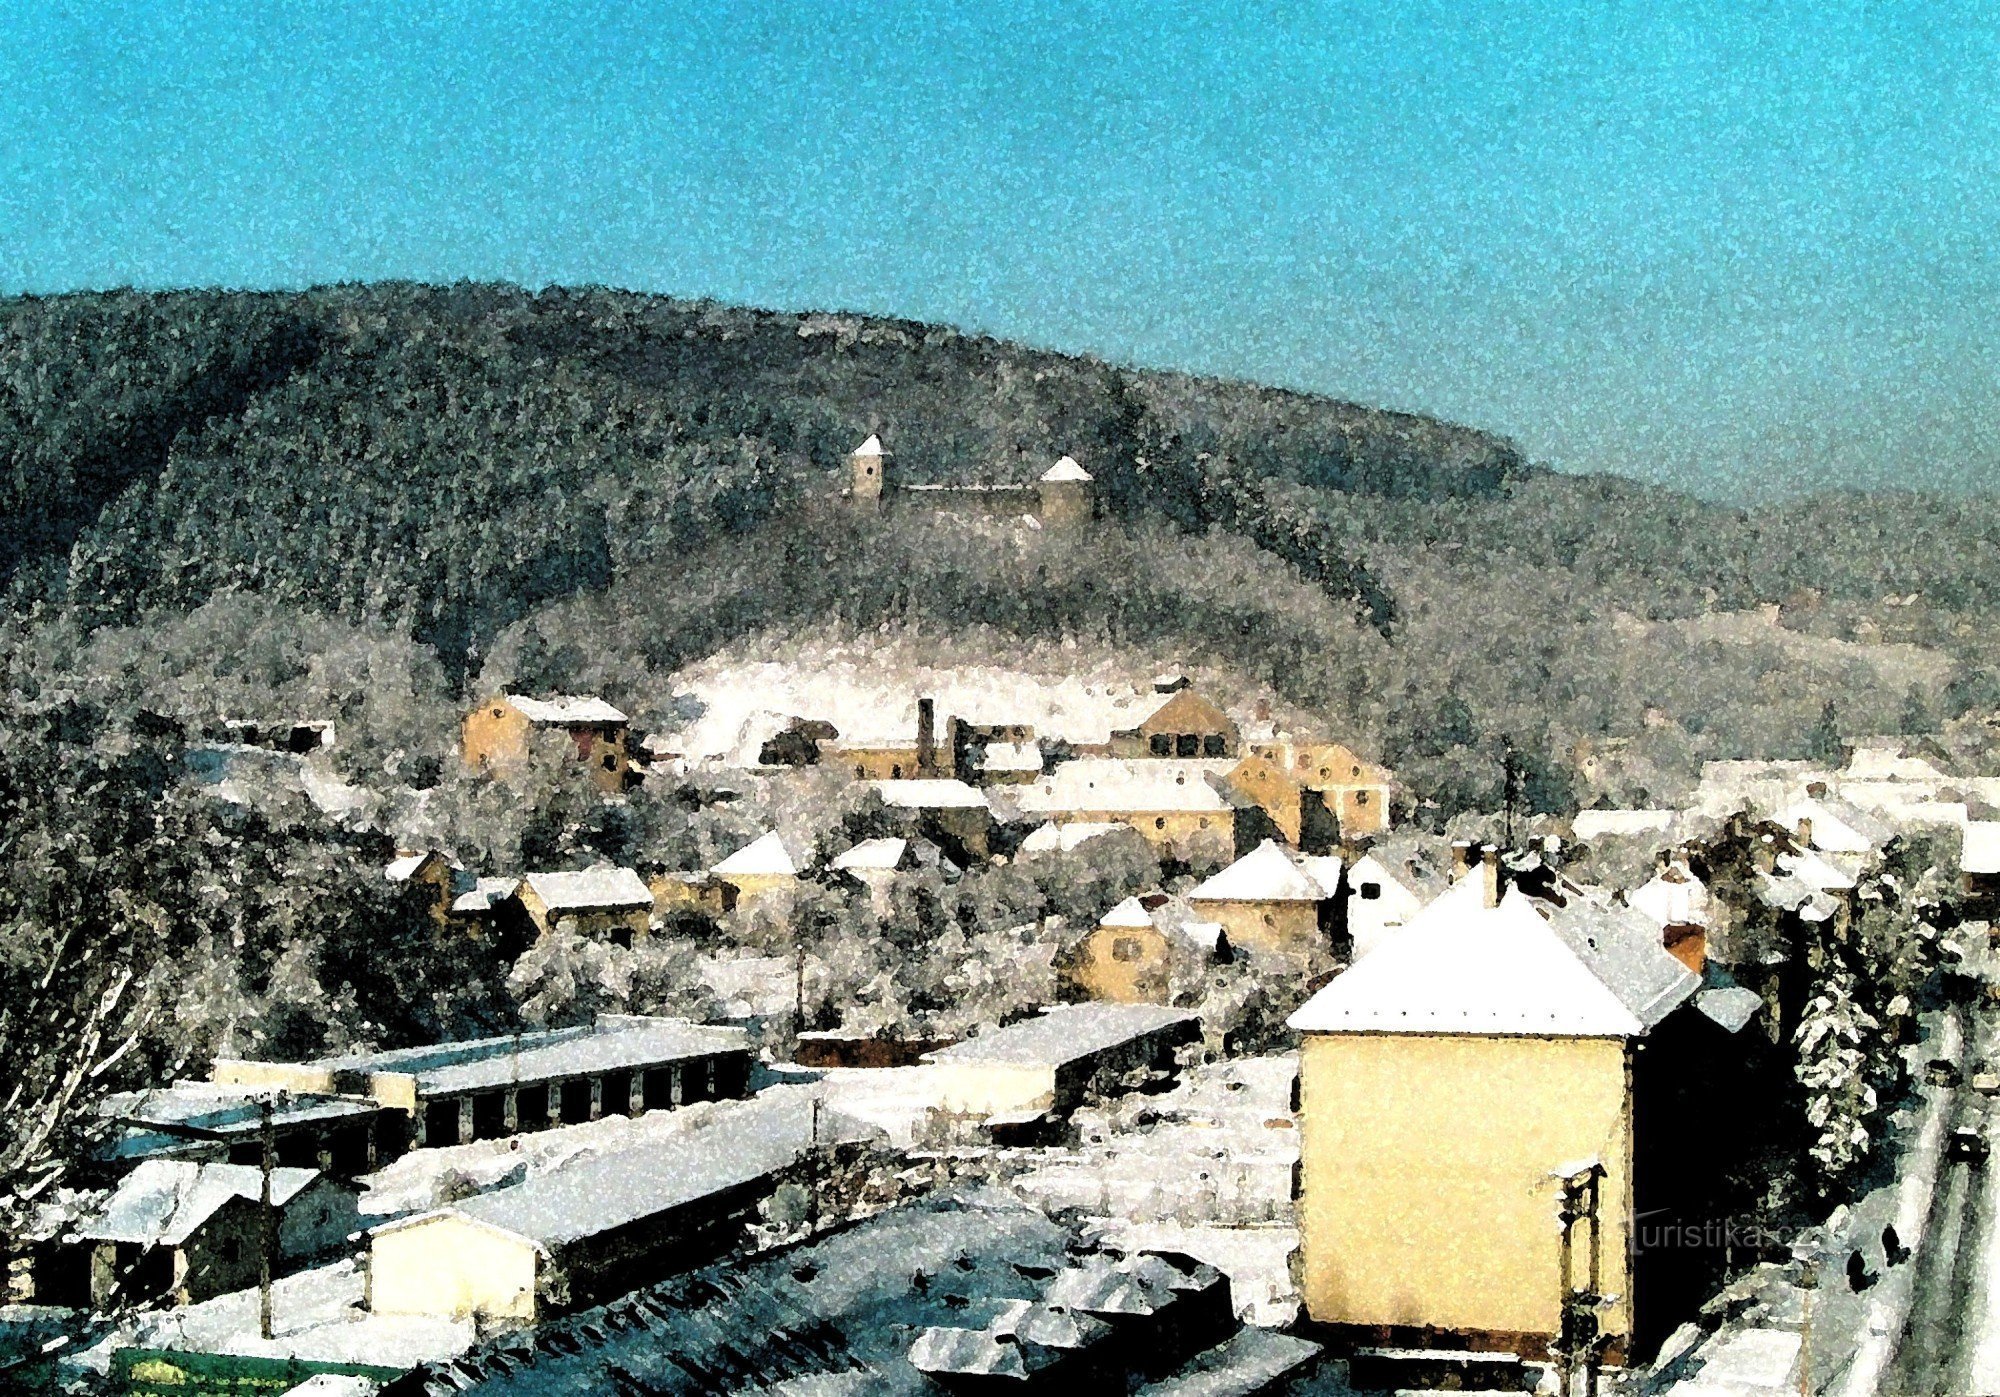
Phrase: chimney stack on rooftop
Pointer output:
(1461, 858)
(1489, 874)
(926, 737)
(1172, 682)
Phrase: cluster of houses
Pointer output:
(1501, 1068)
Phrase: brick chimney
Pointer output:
(1461, 858)
(1489, 875)
(926, 737)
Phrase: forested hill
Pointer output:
(454, 455)
(593, 487)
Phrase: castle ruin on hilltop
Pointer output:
(1065, 495)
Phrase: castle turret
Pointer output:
(867, 465)
(1067, 494)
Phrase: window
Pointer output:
(896, 773)
(1361, 797)
(1371, 892)
(1126, 948)
(496, 713)
(1162, 744)
(1160, 823)
(1204, 822)
(1268, 921)
(1187, 745)
(860, 771)
(1214, 745)
(611, 761)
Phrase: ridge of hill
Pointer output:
(596, 486)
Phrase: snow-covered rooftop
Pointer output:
(567, 710)
(929, 794)
(1064, 1033)
(766, 857)
(1140, 785)
(591, 889)
(1066, 469)
(164, 1201)
(1266, 874)
(1674, 897)
(1982, 847)
(1595, 824)
(1462, 967)
(1622, 948)
(1053, 838)
(873, 856)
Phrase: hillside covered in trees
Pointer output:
(595, 488)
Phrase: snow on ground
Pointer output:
(1205, 1168)
(317, 1315)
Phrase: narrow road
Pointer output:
(1951, 1345)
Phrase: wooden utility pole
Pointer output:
(267, 1139)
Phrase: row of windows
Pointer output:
(1188, 744)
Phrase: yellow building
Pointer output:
(1265, 901)
(1129, 956)
(431, 870)
(1175, 805)
(1299, 815)
(496, 732)
(589, 1229)
(1356, 793)
(1184, 725)
(1052, 1063)
(613, 903)
(1448, 1082)
(762, 871)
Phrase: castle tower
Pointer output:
(867, 465)
(1067, 494)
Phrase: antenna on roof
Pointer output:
(1510, 785)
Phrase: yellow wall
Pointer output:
(1162, 828)
(494, 734)
(1426, 1189)
(1277, 794)
(1095, 970)
(638, 920)
(877, 763)
(990, 1088)
(280, 1075)
(1263, 926)
(1360, 809)
(452, 1266)
(755, 889)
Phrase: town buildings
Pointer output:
(496, 733)
(486, 1088)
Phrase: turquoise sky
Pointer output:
(1745, 248)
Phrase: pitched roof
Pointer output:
(1593, 824)
(163, 1201)
(1622, 948)
(405, 868)
(766, 856)
(1674, 897)
(870, 447)
(1981, 853)
(614, 1042)
(1052, 838)
(485, 892)
(1064, 1033)
(1462, 967)
(592, 1194)
(566, 710)
(1325, 870)
(1129, 913)
(929, 794)
(1837, 827)
(873, 856)
(1066, 469)
(1141, 785)
(1265, 874)
(591, 889)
